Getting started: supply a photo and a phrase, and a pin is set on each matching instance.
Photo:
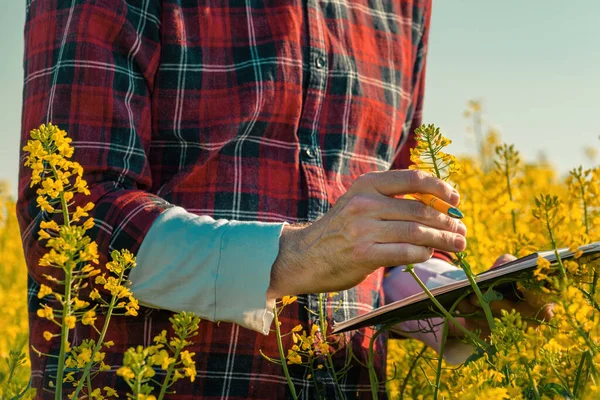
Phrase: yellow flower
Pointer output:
(95, 294)
(79, 304)
(45, 312)
(48, 335)
(44, 204)
(44, 291)
(88, 317)
(288, 300)
(293, 357)
(84, 357)
(70, 321)
(162, 358)
(126, 373)
(44, 235)
(88, 224)
(81, 212)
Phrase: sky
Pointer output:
(535, 65)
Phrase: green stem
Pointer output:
(165, 385)
(577, 384)
(64, 330)
(89, 385)
(510, 196)
(585, 212)
(482, 300)
(438, 374)
(553, 242)
(138, 385)
(314, 379)
(412, 366)
(282, 356)
(562, 381)
(445, 312)
(433, 158)
(330, 365)
(100, 341)
(371, 366)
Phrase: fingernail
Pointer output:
(460, 243)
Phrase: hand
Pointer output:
(531, 307)
(366, 229)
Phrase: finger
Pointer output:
(395, 182)
(495, 306)
(503, 259)
(419, 234)
(455, 331)
(478, 325)
(542, 313)
(392, 209)
(466, 307)
(392, 254)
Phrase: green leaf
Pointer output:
(554, 389)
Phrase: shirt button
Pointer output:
(320, 62)
(309, 152)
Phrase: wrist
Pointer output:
(286, 271)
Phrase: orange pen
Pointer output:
(437, 204)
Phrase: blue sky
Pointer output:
(534, 63)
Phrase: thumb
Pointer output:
(503, 259)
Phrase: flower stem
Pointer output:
(482, 300)
(165, 385)
(445, 312)
(432, 154)
(510, 196)
(100, 341)
(585, 211)
(330, 365)
(438, 374)
(371, 366)
(553, 242)
(282, 356)
(64, 330)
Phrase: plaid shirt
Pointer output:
(257, 111)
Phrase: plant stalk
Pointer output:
(282, 356)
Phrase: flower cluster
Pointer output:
(169, 355)
(312, 350)
(428, 155)
(518, 208)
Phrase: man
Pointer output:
(212, 135)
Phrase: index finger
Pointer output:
(398, 182)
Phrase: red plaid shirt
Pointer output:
(257, 111)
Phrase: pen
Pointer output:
(437, 204)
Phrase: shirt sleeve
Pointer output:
(89, 67)
(218, 269)
(398, 285)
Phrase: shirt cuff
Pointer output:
(218, 269)
(248, 251)
(398, 285)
